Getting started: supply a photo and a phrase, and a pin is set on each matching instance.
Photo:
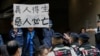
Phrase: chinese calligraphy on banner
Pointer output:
(31, 15)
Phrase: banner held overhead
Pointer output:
(30, 15)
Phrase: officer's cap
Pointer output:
(74, 35)
(84, 36)
(57, 35)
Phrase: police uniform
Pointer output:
(97, 37)
(75, 44)
(75, 36)
(86, 48)
(61, 50)
(84, 36)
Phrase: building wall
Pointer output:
(83, 13)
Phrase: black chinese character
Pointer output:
(45, 8)
(36, 9)
(26, 21)
(36, 21)
(33, 9)
(43, 20)
(17, 9)
(26, 9)
(18, 21)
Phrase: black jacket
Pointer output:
(86, 45)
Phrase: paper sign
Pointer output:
(31, 15)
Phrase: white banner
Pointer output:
(31, 15)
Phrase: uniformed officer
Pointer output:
(97, 34)
(58, 48)
(83, 41)
(74, 43)
(86, 48)
(74, 39)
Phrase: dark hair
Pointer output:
(3, 50)
(84, 37)
(81, 29)
(57, 36)
(12, 47)
(74, 36)
(84, 40)
(40, 50)
(98, 21)
(75, 39)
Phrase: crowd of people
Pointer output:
(53, 43)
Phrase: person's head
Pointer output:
(83, 38)
(57, 39)
(30, 29)
(74, 37)
(83, 30)
(3, 51)
(12, 48)
(98, 23)
(42, 51)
